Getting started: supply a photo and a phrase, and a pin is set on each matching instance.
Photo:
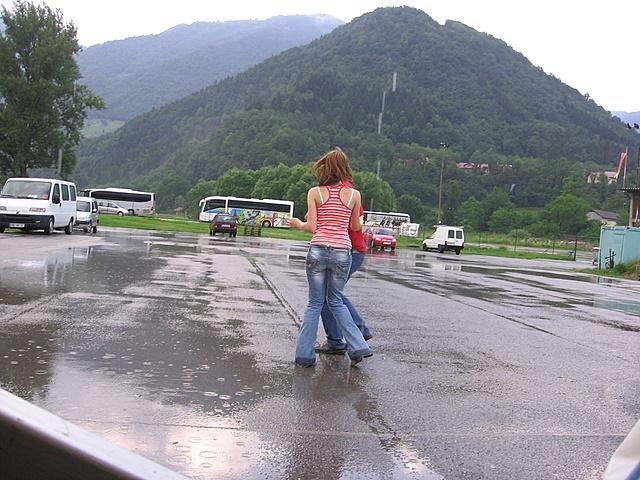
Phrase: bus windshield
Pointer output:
(249, 211)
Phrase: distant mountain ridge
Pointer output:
(140, 73)
(628, 117)
(455, 84)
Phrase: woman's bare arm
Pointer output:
(356, 219)
(311, 216)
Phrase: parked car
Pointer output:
(112, 208)
(224, 223)
(445, 237)
(87, 214)
(38, 204)
(377, 237)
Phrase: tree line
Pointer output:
(485, 202)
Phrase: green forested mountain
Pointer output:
(136, 74)
(455, 85)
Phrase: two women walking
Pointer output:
(332, 207)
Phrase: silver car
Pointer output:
(110, 207)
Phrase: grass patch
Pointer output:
(630, 271)
(178, 223)
(503, 251)
(508, 253)
(154, 223)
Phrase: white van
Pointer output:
(445, 238)
(38, 204)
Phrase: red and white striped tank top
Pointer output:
(333, 220)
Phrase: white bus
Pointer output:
(387, 219)
(137, 203)
(250, 211)
(400, 223)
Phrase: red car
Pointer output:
(224, 223)
(380, 238)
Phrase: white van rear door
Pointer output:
(455, 237)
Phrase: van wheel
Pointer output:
(458, 251)
(2, 229)
(424, 247)
(120, 214)
(68, 230)
(48, 230)
(95, 229)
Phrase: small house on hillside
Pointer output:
(470, 166)
(594, 177)
(609, 219)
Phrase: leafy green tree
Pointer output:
(42, 107)
(451, 200)
(567, 214)
(495, 199)
(375, 192)
(236, 182)
(591, 230)
(503, 220)
(413, 206)
(168, 188)
(470, 214)
(614, 201)
(201, 190)
(575, 184)
(272, 182)
(300, 181)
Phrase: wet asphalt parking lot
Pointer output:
(180, 348)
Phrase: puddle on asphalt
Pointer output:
(180, 360)
(619, 306)
(78, 269)
(453, 276)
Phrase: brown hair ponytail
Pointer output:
(332, 168)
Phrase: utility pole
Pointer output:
(384, 97)
(444, 146)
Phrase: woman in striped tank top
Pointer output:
(331, 209)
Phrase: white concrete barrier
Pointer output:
(35, 444)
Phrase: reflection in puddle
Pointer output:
(501, 281)
(23, 281)
(183, 436)
(618, 305)
(453, 267)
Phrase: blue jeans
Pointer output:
(327, 272)
(335, 338)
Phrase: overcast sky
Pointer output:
(589, 45)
